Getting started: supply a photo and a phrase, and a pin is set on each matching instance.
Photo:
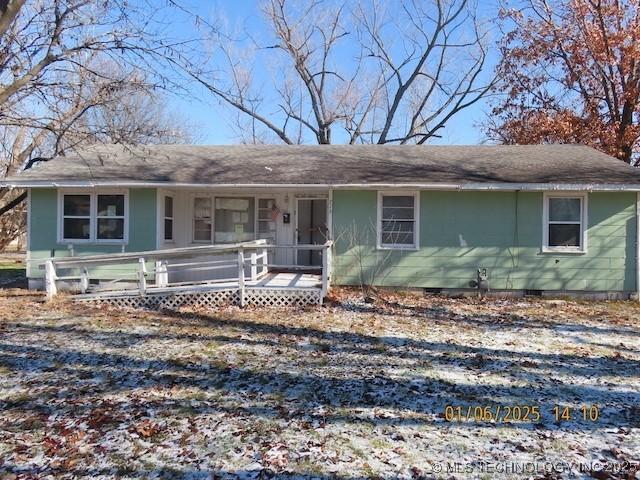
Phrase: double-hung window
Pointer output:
(76, 219)
(202, 219)
(92, 217)
(267, 214)
(110, 217)
(398, 215)
(565, 219)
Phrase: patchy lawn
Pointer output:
(348, 390)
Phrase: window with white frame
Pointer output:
(92, 217)
(110, 217)
(397, 220)
(168, 218)
(234, 219)
(564, 222)
(202, 225)
(267, 214)
(76, 219)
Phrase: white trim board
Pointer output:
(296, 216)
(493, 186)
(93, 217)
(584, 222)
(416, 220)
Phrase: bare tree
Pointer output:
(49, 47)
(12, 225)
(89, 110)
(387, 72)
(138, 118)
(74, 72)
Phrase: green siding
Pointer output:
(500, 231)
(142, 222)
(43, 241)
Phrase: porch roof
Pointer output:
(334, 165)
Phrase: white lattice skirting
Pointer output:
(261, 297)
(275, 297)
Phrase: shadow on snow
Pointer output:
(364, 381)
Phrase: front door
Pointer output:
(311, 228)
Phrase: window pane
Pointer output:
(168, 206)
(389, 213)
(266, 226)
(202, 208)
(397, 201)
(202, 230)
(405, 238)
(110, 205)
(77, 205)
(564, 209)
(564, 235)
(234, 220)
(76, 228)
(266, 215)
(168, 229)
(266, 203)
(111, 228)
(397, 226)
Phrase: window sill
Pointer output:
(71, 241)
(74, 241)
(563, 250)
(410, 248)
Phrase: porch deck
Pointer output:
(274, 289)
(265, 284)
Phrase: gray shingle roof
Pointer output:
(334, 165)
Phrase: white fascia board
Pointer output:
(603, 187)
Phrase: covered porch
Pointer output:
(285, 216)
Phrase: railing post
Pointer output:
(329, 263)
(142, 279)
(325, 273)
(162, 273)
(254, 265)
(241, 276)
(84, 280)
(265, 261)
(50, 279)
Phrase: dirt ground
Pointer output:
(405, 387)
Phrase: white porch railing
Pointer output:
(150, 271)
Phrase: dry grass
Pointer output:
(348, 390)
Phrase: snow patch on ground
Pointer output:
(349, 390)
